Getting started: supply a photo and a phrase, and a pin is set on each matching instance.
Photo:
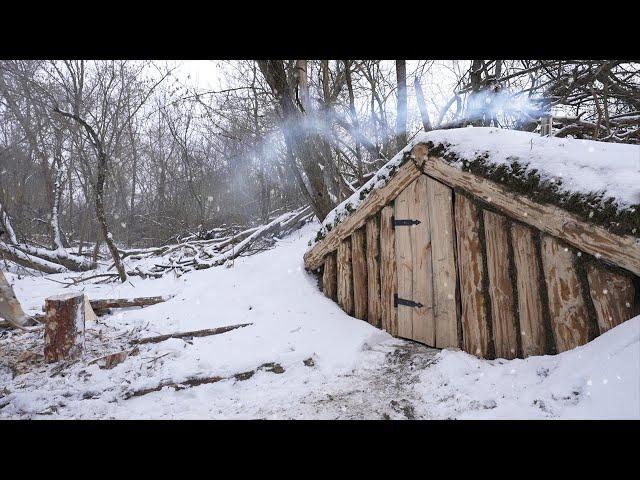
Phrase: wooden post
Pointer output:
(475, 329)
(329, 277)
(374, 308)
(612, 295)
(359, 263)
(532, 330)
(500, 288)
(388, 277)
(345, 276)
(64, 327)
(569, 315)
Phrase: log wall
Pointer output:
(488, 283)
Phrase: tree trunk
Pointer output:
(401, 117)
(64, 327)
(422, 105)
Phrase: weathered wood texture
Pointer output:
(612, 295)
(374, 307)
(413, 262)
(525, 259)
(388, 278)
(10, 308)
(475, 329)
(100, 305)
(501, 292)
(64, 327)
(569, 315)
(359, 263)
(443, 244)
(623, 251)
(345, 276)
(329, 277)
(374, 202)
(192, 334)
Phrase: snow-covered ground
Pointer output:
(334, 366)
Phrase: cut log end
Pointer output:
(64, 327)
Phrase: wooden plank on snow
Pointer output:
(374, 308)
(475, 330)
(500, 287)
(612, 295)
(376, 200)
(345, 276)
(445, 285)
(359, 263)
(569, 315)
(532, 329)
(329, 277)
(388, 278)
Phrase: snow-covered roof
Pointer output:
(598, 181)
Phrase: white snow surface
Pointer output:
(359, 371)
(584, 166)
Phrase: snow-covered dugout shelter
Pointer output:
(503, 243)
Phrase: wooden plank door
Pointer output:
(413, 263)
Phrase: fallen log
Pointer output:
(196, 333)
(197, 381)
(107, 303)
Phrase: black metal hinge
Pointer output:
(403, 223)
(401, 301)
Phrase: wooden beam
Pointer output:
(374, 307)
(345, 276)
(359, 262)
(475, 329)
(613, 296)
(623, 251)
(329, 277)
(388, 275)
(532, 329)
(376, 200)
(500, 288)
(569, 315)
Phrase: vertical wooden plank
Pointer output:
(440, 205)
(423, 324)
(359, 263)
(388, 278)
(345, 276)
(612, 294)
(329, 277)
(404, 263)
(532, 330)
(374, 308)
(500, 287)
(569, 315)
(475, 330)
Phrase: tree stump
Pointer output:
(64, 327)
